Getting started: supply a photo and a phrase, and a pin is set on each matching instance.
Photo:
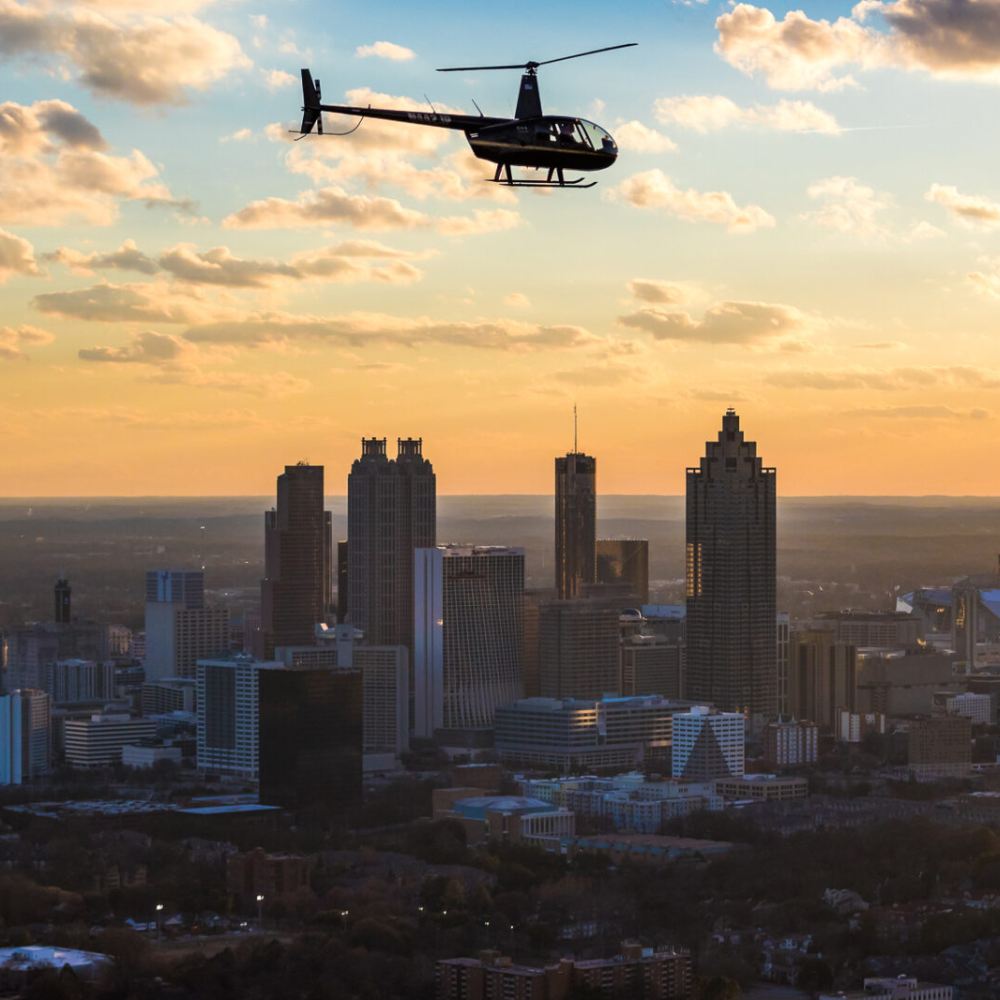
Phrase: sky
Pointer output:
(803, 223)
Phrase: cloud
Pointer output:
(119, 304)
(54, 168)
(171, 360)
(750, 324)
(324, 207)
(517, 300)
(347, 262)
(891, 380)
(653, 189)
(973, 211)
(385, 50)
(365, 329)
(277, 79)
(240, 135)
(13, 340)
(119, 52)
(634, 137)
(148, 348)
(17, 256)
(659, 292)
(480, 221)
(986, 281)
(600, 375)
(710, 113)
(929, 412)
(851, 207)
(128, 257)
(945, 38)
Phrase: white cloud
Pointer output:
(517, 300)
(385, 50)
(119, 52)
(709, 113)
(653, 189)
(17, 256)
(635, 137)
(277, 79)
(946, 38)
(660, 292)
(973, 211)
(240, 135)
(54, 168)
(14, 339)
(128, 257)
(750, 324)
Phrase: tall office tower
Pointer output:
(297, 589)
(650, 664)
(533, 601)
(63, 607)
(576, 523)
(385, 681)
(391, 510)
(69, 682)
(468, 636)
(227, 696)
(343, 582)
(822, 677)
(311, 737)
(783, 626)
(731, 614)
(708, 744)
(180, 629)
(25, 735)
(624, 561)
(578, 649)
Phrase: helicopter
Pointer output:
(531, 139)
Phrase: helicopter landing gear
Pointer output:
(504, 176)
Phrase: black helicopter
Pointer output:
(530, 139)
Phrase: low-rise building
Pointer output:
(658, 974)
(273, 876)
(894, 988)
(762, 788)
(939, 747)
(853, 727)
(98, 741)
(573, 735)
(505, 818)
(791, 744)
(146, 755)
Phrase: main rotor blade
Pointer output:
(532, 62)
(609, 48)
(467, 69)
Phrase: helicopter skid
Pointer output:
(578, 184)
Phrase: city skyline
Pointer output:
(790, 241)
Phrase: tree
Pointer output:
(720, 988)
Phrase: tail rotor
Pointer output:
(311, 96)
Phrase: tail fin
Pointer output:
(311, 114)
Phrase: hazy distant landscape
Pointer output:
(832, 551)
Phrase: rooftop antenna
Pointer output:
(574, 429)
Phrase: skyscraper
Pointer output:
(63, 608)
(624, 561)
(730, 568)
(469, 639)
(311, 737)
(25, 735)
(578, 649)
(297, 589)
(391, 510)
(576, 523)
(180, 629)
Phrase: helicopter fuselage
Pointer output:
(546, 142)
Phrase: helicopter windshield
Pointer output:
(599, 139)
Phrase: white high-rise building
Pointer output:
(25, 735)
(180, 629)
(228, 723)
(708, 744)
(468, 635)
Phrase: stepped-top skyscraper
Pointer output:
(297, 589)
(730, 569)
(391, 510)
(576, 521)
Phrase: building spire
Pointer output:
(574, 429)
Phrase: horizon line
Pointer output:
(10, 498)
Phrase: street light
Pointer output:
(159, 910)
(260, 911)
(344, 914)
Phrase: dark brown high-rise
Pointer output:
(297, 588)
(391, 510)
(576, 523)
(731, 618)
